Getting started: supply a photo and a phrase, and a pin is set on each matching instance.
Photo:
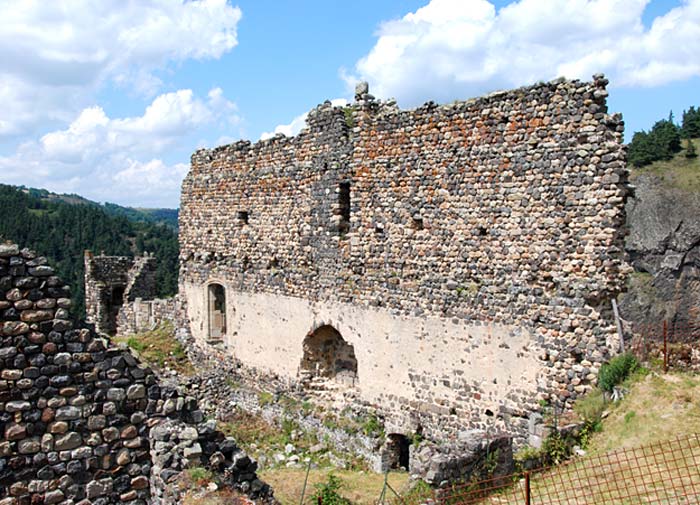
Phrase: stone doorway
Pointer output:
(112, 301)
(328, 355)
(217, 312)
(396, 452)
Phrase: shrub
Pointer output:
(372, 426)
(328, 492)
(555, 449)
(200, 475)
(419, 492)
(616, 370)
(265, 398)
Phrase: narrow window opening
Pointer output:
(418, 222)
(217, 312)
(243, 217)
(481, 231)
(344, 207)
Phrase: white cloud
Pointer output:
(57, 54)
(460, 48)
(298, 123)
(116, 159)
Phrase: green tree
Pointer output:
(62, 231)
(641, 150)
(666, 137)
(690, 127)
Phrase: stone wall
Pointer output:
(120, 295)
(143, 315)
(471, 270)
(83, 421)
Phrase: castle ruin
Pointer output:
(450, 265)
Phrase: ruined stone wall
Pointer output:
(120, 294)
(472, 274)
(82, 421)
(144, 315)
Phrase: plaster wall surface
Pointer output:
(402, 362)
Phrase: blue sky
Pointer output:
(109, 99)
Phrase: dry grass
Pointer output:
(657, 408)
(159, 349)
(680, 172)
(359, 487)
(219, 497)
(638, 456)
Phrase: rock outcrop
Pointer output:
(664, 248)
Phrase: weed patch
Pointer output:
(159, 349)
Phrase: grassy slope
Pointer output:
(658, 407)
(680, 172)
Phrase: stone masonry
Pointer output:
(120, 294)
(83, 422)
(464, 255)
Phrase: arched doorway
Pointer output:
(217, 311)
(328, 355)
(397, 451)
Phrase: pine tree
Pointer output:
(641, 150)
(691, 123)
(690, 150)
(666, 139)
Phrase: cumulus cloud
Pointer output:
(57, 54)
(458, 48)
(297, 124)
(117, 159)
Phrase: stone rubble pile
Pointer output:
(77, 415)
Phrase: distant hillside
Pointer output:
(61, 227)
(146, 215)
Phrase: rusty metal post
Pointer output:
(527, 488)
(319, 501)
(665, 347)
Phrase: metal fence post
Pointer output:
(306, 480)
(665, 347)
(527, 488)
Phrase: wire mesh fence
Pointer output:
(659, 473)
(671, 344)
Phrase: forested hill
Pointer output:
(63, 228)
(163, 216)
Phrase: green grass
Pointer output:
(361, 488)
(657, 409)
(159, 348)
(680, 172)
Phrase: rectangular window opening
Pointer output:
(344, 206)
(243, 216)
